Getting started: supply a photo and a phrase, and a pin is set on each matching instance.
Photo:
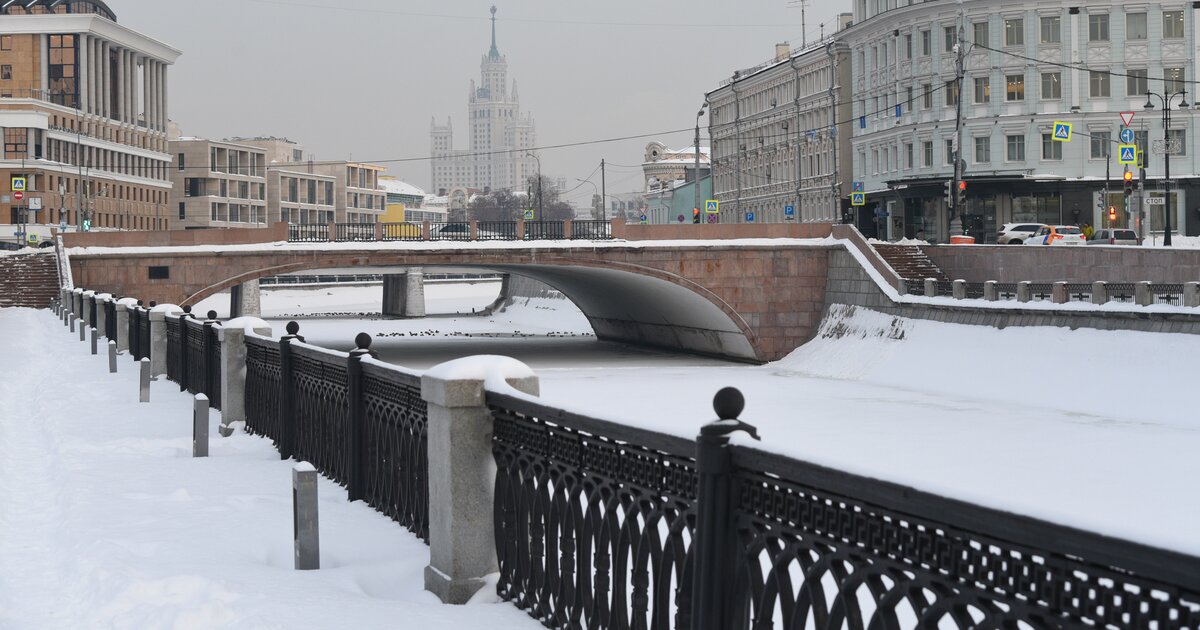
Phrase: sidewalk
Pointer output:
(107, 522)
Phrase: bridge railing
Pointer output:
(355, 231)
(403, 231)
(1139, 293)
(453, 231)
(308, 232)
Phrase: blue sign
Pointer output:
(789, 211)
(1128, 154)
(1127, 135)
(749, 217)
(1062, 131)
(858, 186)
(858, 199)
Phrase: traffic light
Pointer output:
(87, 225)
(695, 215)
(948, 194)
(1128, 183)
(1112, 215)
(961, 200)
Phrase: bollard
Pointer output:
(1191, 294)
(112, 357)
(991, 292)
(1142, 295)
(1099, 292)
(200, 426)
(1059, 293)
(72, 322)
(307, 539)
(930, 287)
(82, 330)
(1024, 291)
(94, 340)
(144, 386)
(959, 289)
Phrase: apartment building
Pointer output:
(83, 108)
(218, 184)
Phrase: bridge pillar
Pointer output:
(404, 294)
(245, 300)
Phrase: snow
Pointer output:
(108, 521)
(494, 371)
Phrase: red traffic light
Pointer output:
(962, 185)
(1112, 213)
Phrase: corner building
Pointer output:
(83, 108)
(1027, 64)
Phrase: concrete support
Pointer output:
(930, 287)
(122, 327)
(1058, 293)
(102, 315)
(1099, 292)
(233, 370)
(112, 357)
(158, 336)
(959, 289)
(1191, 294)
(990, 291)
(1024, 292)
(462, 546)
(82, 331)
(902, 286)
(95, 344)
(404, 294)
(251, 299)
(1142, 295)
(72, 321)
(200, 426)
(306, 531)
(89, 298)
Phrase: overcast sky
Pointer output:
(362, 78)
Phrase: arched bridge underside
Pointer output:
(745, 302)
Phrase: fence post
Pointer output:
(958, 289)
(1142, 295)
(200, 426)
(930, 287)
(356, 479)
(144, 381)
(112, 357)
(1191, 294)
(122, 326)
(71, 322)
(715, 540)
(568, 229)
(305, 525)
(462, 471)
(82, 330)
(902, 286)
(207, 351)
(991, 291)
(95, 348)
(1058, 293)
(287, 423)
(1099, 292)
(85, 314)
(233, 370)
(1024, 291)
(101, 323)
(158, 338)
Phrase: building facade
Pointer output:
(403, 200)
(1026, 65)
(777, 137)
(501, 141)
(217, 184)
(83, 109)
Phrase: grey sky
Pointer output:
(362, 78)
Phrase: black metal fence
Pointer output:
(355, 231)
(308, 233)
(452, 231)
(403, 231)
(110, 319)
(1160, 293)
(596, 526)
(194, 355)
(591, 230)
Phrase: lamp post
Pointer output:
(539, 188)
(696, 174)
(596, 193)
(1166, 99)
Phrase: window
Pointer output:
(1098, 28)
(926, 43)
(951, 37)
(1052, 30)
(6, 73)
(62, 70)
(951, 92)
(927, 154)
(6, 42)
(1135, 26)
(981, 33)
(950, 152)
(1100, 142)
(1016, 148)
(1135, 82)
(1172, 24)
(1014, 87)
(182, 211)
(926, 96)
(1051, 149)
(983, 90)
(180, 161)
(1014, 32)
(908, 155)
(908, 46)
(1173, 80)
(1051, 85)
(1176, 137)
(1098, 83)
(983, 149)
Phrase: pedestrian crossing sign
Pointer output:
(1062, 131)
(858, 199)
(18, 183)
(1127, 154)
(529, 214)
(712, 206)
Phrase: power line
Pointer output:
(1083, 67)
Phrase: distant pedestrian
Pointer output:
(1088, 231)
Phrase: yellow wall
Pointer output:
(394, 213)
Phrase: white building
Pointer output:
(501, 136)
(1027, 65)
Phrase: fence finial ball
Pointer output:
(292, 328)
(153, 303)
(187, 309)
(729, 403)
(212, 314)
(362, 340)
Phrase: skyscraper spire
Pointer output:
(494, 53)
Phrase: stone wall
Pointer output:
(1016, 263)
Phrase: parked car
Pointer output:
(1057, 235)
(1113, 237)
(1017, 233)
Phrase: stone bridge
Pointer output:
(748, 298)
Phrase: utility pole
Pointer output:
(603, 193)
(696, 173)
(959, 53)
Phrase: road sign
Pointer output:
(1156, 201)
(858, 187)
(35, 203)
(1062, 131)
(679, 218)
(1127, 135)
(529, 214)
(1126, 117)
(18, 183)
(749, 217)
(712, 206)
(642, 219)
(1127, 154)
(789, 211)
(712, 218)
(18, 195)
(858, 199)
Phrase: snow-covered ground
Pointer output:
(107, 522)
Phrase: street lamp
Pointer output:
(696, 175)
(1166, 99)
(596, 192)
(539, 190)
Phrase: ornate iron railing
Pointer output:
(1041, 291)
(593, 520)
(91, 305)
(395, 447)
(110, 319)
(543, 230)
(320, 405)
(195, 369)
(308, 232)
(403, 232)
(355, 231)
(176, 369)
(591, 230)
(1079, 292)
(263, 387)
(452, 231)
(1166, 294)
(1121, 292)
(496, 231)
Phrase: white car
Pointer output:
(1017, 233)
(1057, 235)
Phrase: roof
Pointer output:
(398, 187)
(42, 7)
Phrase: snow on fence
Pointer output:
(602, 525)
(1140, 293)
